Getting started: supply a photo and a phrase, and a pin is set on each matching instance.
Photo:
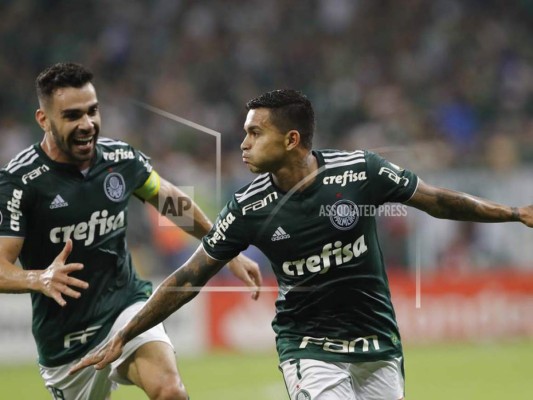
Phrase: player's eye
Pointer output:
(93, 110)
(71, 116)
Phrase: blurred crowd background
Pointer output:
(442, 87)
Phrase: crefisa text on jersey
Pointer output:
(348, 176)
(221, 227)
(87, 230)
(341, 253)
(13, 206)
(118, 154)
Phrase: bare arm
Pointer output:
(449, 204)
(175, 291)
(53, 281)
(202, 224)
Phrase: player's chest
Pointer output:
(69, 200)
(294, 225)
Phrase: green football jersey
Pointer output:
(334, 301)
(46, 203)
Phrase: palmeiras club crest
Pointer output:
(344, 214)
(114, 187)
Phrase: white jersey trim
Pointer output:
(108, 141)
(343, 158)
(211, 257)
(20, 158)
(416, 188)
(30, 161)
(260, 183)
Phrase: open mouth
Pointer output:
(83, 143)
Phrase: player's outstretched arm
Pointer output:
(175, 291)
(54, 281)
(449, 204)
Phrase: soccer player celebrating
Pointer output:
(337, 337)
(66, 198)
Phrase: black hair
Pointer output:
(61, 75)
(289, 109)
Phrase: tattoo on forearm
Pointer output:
(168, 297)
(448, 204)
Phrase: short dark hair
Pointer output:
(61, 75)
(289, 109)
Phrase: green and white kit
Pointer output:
(334, 301)
(46, 203)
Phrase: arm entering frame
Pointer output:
(449, 204)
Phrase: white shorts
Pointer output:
(308, 379)
(90, 384)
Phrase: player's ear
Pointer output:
(42, 119)
(292, 139)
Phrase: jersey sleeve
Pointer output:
(228, 236)
(13, 201)
(389, 182)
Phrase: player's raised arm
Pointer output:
(449, 204)
(175, 291)
(53, 281)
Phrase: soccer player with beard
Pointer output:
(336, 331)
(66, 198)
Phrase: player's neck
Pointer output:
(54, 153)
(299, 173)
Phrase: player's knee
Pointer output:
(171, 389)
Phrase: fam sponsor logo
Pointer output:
(347, 176)
(341, 345)
(118, 155)
(220, 227)
(144, 160)
(256, 205)
(34, 173)
(393, 176)
(13, 206)
(335, 254)
(100, 223)
(114, 187)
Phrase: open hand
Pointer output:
(110, 352)
(55, 281)
(247, 271)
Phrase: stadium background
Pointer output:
(442, 87)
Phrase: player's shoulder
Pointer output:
(258, 188)
(118, 150)
(26, 162)
(110, 145)
(334, 158)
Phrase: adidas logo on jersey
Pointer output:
(280, 234)
(58, 202)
